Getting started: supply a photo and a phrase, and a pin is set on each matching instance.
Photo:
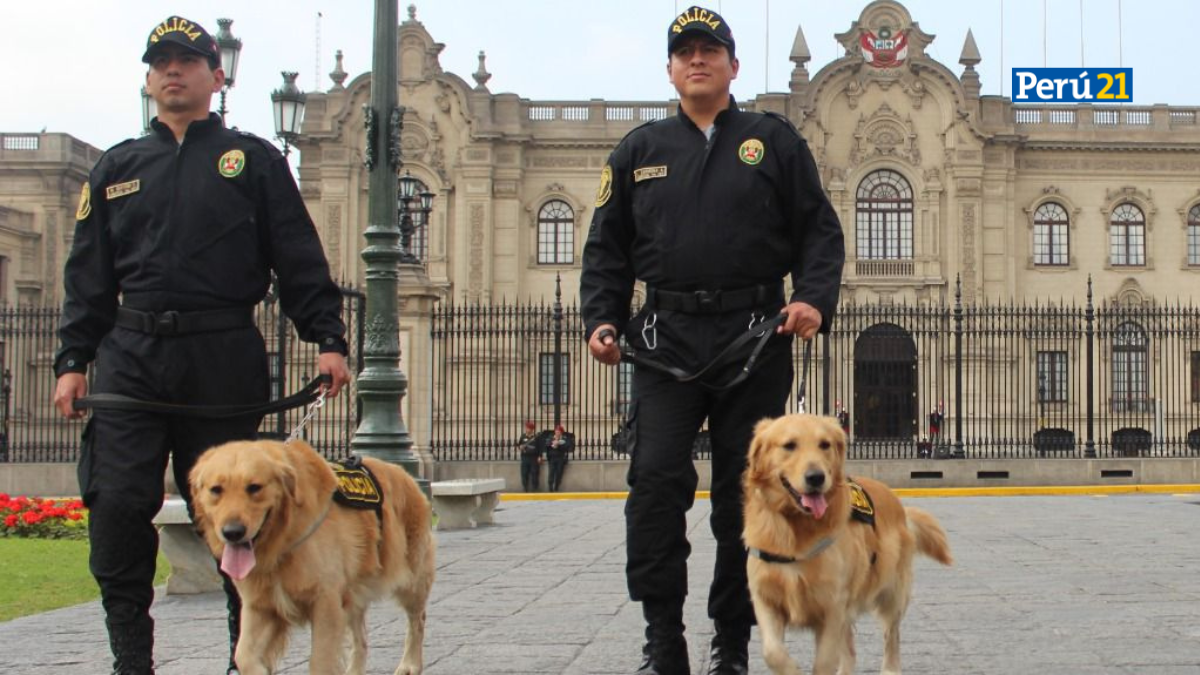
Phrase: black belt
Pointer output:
(717, 301)
(180, 323)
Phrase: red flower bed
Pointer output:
(42, 518)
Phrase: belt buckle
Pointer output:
(707, 301)
(166, 323)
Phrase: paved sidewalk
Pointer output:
(1053, 585)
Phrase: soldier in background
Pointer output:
(531, 457)
(558, 447)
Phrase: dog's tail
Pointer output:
(931, 538)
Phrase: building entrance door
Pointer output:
(885, 384)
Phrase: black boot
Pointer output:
(666, 650)
(730, 649)
(132, 644)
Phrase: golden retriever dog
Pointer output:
(813, 562)
(266, 510)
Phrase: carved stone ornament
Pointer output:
(369, 133)
(395, 127)
(884, 134)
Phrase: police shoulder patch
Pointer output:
(604, 191)
(232, 163)
(85, 202)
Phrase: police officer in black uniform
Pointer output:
(176, 238)
(530, 445)
(711, 208)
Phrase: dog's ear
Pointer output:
(758, 446)
(196, 477)
(286, 473)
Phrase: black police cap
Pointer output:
(185, 33)
(699, 20)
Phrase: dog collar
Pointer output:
(311, 528)
(767, 556)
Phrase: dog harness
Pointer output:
(862, 509)
(357, 487)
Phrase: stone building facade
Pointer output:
(935, 185)
(40, 180)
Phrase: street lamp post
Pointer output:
(231, 50)
(411, 207)
(381, 385)
(288, 104)
(149, 110)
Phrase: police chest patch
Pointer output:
(356, 486)
(752, 151)
(648, 172)
(231, 163)
(605, 190)
(121, 189)
(85, 203)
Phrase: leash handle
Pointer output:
(121, 402)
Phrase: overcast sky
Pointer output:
(74, 65)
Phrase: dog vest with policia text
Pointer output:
(357, 487)
(862, 508)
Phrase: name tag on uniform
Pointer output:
(648, 172)
(122, 189)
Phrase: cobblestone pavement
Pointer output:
(1052, 585)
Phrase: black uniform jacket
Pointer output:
(193, 226)
(683, 213)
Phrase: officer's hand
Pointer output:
(70, 386)
(603, 345)
(334, 365)
(803, 320)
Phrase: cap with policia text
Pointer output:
(699, 20)
(189, 34)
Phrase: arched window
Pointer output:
(884, 217)
(1130, 350)
(1127, 236)
(556, 233)
(1050, 228)
(1193, 235)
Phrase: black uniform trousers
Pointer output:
(558, 464)
(663, 423)
(531, 471)
(124, 454)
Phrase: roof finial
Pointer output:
(339, 74)
(482, 75)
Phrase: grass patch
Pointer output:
(44, 574)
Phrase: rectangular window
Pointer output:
(556, 243)
(1195, 377)
(546, 379)
(1050, 245)
(1193, 243)
(1127, 244)
(1052, 377)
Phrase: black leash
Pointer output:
(801, 390)
(761, 332)
(307, 395)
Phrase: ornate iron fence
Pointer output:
(936, 379)
(32, 431)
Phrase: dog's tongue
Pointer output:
(813, 502)
(238, 559)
